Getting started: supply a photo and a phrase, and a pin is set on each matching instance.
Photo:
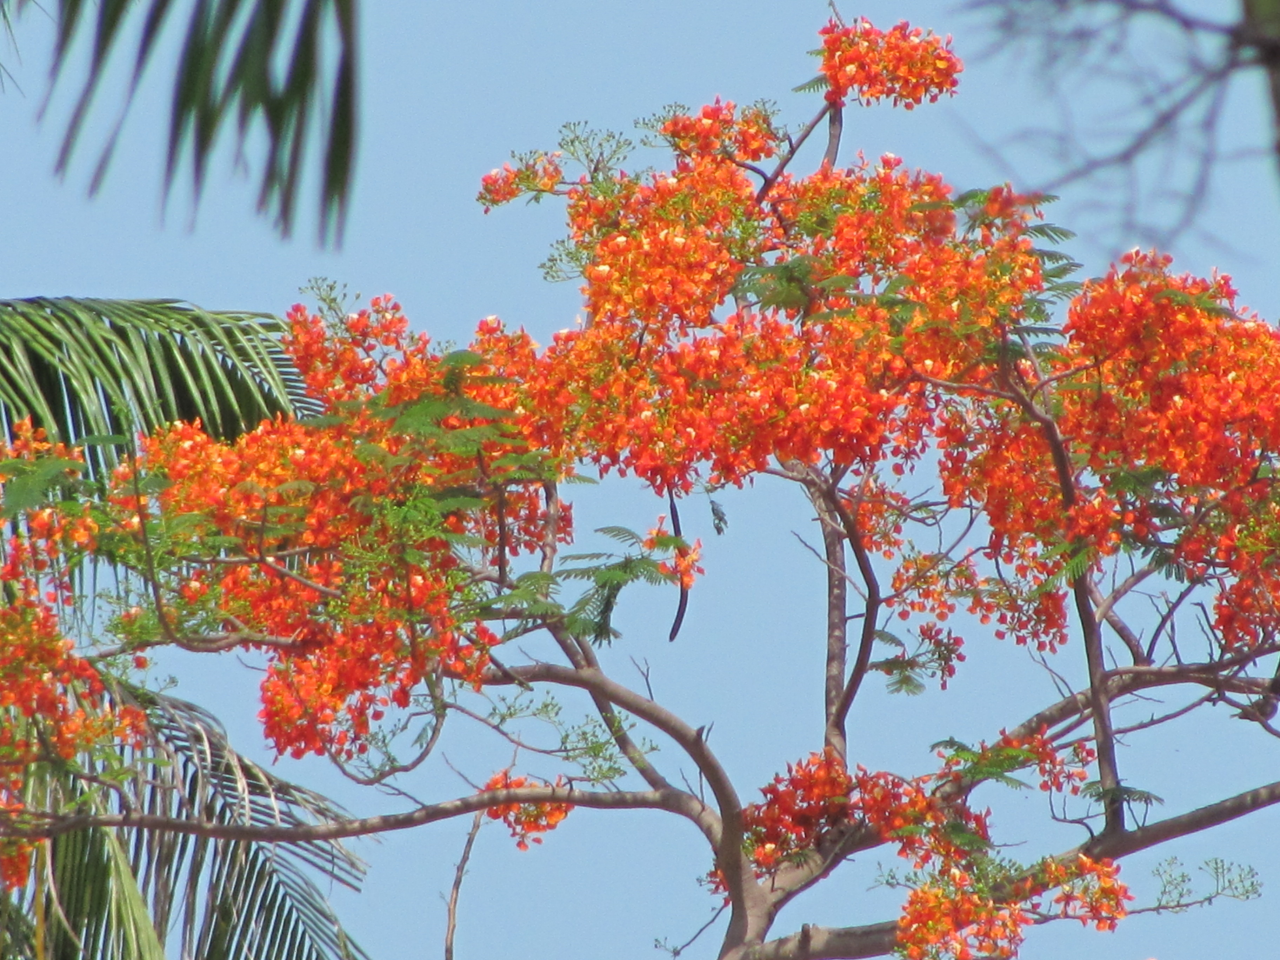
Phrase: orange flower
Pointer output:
(902, 63)
(525, 821)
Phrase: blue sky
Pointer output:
(449, 90)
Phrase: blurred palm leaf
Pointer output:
(82, 368)
(289, 63)
(120, 894)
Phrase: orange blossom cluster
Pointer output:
(524, 820)
(903, 63)
(51, 699)
(819, 794)
(540, 173)
(355, 605)
(949, 914)
(953, 918)
(683, 566)
(1168, 416)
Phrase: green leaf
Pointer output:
(622, 535)
(816, 85)
(103, 440)
(131, 916)
(30, 488)
(884, 636)
(109, 891)
(99, 370)
(300, 487)
(1095, 791)
(1050, 232)
(250, 487)
(368, 453)
(462, 358)
(971, 198)
(905, 681)
(458, 504)
(965, 838)
(785, 286)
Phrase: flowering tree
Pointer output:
(981, 470)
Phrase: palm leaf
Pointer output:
(119, 894)
(290, 64)
(17, 931)
(82, 367)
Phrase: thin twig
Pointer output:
(676, 951)
(452, 925)
(790, 154)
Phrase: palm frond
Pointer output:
(6, 28)
(81, 367)
(17, 930)
(290, 65)
(120, 894)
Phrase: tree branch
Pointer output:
(1128, 679)
(837, 622)
(451, 924)
(1215, 814)
(1100, 699)
(829, 943)
(1105, 611)
(871, 611)
(725, 831)
(791, 153)
(46, 826)
(630, 749)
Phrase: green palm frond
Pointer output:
(290, 64)
(121, 894)
(17, 931)
(82, 367)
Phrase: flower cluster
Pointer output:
(962, 915)
(949, 919)
(537, 173)
(715, 129)
(932, 827)
(966, 766)
(52, 704)
(660, 385)
(1182, 444)
(1056, 772)
(813, 796)
(524, 820)
(682, 567)
(902, 63)
(1088, 890)
(338, 542)
(963, 903)
(819, 794)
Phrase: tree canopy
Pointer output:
(992, 452)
